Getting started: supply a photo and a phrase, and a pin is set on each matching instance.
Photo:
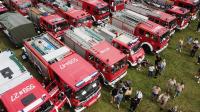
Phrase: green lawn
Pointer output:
(179, 65)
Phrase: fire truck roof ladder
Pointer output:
(84, 36)
(141, 9)
(45, 9)
(131, 17)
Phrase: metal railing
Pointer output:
(141, 9)
(130, 18)
(84, 36)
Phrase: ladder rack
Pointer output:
(61, 4)
(84, 36)
(111, 27)
(141, 9)
(45, 9)
(130, 17)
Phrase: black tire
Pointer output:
(147, 49)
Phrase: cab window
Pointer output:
(2, 107)
(141, 32)
(91, 57)
(116, 45)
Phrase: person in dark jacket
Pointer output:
(113, 93)
(135, 101)
(194, 50)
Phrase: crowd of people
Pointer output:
(123, 90)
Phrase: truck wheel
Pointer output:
(146, 48)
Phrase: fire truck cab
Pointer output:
(3, 9)
(116, 5)
(192, 5)
(21, 92)
(76, 17)
(45, 19)
(107, 59)
(98, 8)
(21, 6)
(73, 75)
(182, 15)
(125, 42)
(156, 16)
(153, 37)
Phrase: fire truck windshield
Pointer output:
(60, 26)
(87, 91)
(25, 5)
(117, 66)
(182, 16)
(172, 23)
(116, 2)
(102, 10)
(85, 19)
(164, 36)
(46, 107)
(135, 48)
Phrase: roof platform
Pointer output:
(12, 72)
(84, 36)
(50, 48)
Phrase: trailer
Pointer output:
(153, 37)
(157, 16)
(125, 42)
(21, 92)
(71, 73)
(107, 59)
(97, 8)
(46, 19)
(16, 29)
(21, 6)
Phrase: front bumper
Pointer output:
(160, 50)
(135, 63)
(172, 32)
(183, 27)
(116, 80)
(93, 101)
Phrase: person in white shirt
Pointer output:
(151, 71)
(171, 85)
(179, 89)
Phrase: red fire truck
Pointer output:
(125, 42)
(156, 16)
(45, 19)
(153, 37)
(103, 56)
(98, 8)
(21, 6)
(182, 15)
(116, 5)
(76, 17)
(71, 73)
(192, 5)
(3, 9)
(20, 92)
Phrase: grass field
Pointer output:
(179, 65)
